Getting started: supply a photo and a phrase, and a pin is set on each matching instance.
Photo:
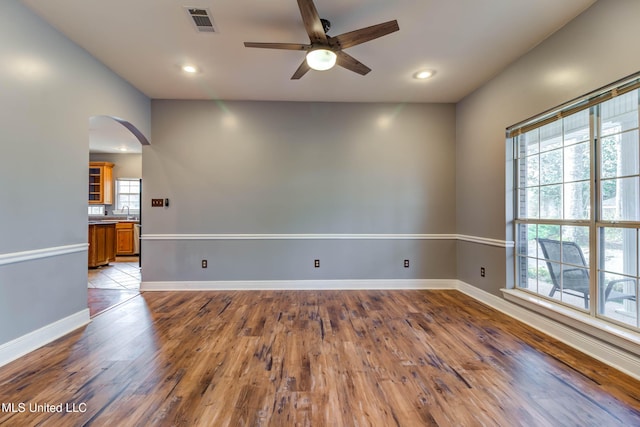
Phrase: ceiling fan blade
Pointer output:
(312, 22)
(301, 71)
(287, 46)
(350, 63)
(362, 35)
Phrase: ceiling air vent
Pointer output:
(201, 18)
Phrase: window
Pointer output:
(96, 209)
(619, 208)
(128, 195)
(578, 204)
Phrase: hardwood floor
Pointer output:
(320, 358)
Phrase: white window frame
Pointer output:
(96, 210)
(120, 207)
(592, 103)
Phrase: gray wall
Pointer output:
(596, 48)
(50, 88)
(126, 165)
(299, 168)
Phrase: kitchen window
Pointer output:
(128, 195)
(96, 209)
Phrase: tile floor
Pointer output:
(124, 274)
(100, 300)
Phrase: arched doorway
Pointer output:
(116, 144)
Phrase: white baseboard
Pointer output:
(588, 344)
(270, 285)
(20, 346)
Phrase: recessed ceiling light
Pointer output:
(424, 74)
(123, 148)
(189, 69)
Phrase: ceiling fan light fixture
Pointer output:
(323, 50)
(321, 59)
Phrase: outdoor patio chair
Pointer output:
(575, 281)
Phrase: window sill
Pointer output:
(597, 328)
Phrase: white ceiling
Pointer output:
(107, 135)
(465, 41)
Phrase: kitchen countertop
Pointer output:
(112, 221)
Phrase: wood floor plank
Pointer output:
(314, 358)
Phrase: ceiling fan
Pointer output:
(324, 51)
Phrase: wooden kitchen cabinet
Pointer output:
(124, 238)
(100, 183)
(102, 244)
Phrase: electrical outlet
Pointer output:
(316, 263)
(482, 272)
(204, 263)
(406, 263)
